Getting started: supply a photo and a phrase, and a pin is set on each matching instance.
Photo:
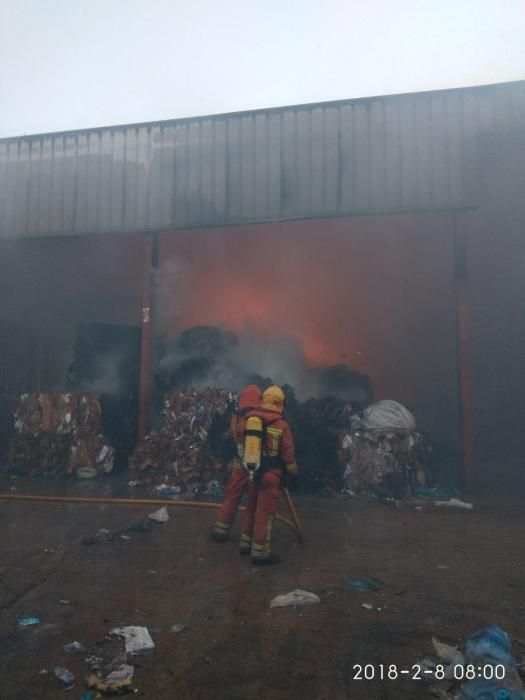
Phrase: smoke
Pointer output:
(208, 356)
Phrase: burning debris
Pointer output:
(192, 449)
(60, 434)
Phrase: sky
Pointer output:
(72, 64)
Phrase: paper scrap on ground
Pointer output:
(455, 503)
(160, 515)
(296, 597)
(138, 639)
(117, 680)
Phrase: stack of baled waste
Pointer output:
(60, 434)
(191, 450)
(384, 455)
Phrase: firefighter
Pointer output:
(249, 399)
(278, 454)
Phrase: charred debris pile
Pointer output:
(336, 450)
(58, 434)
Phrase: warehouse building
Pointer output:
(386, 233)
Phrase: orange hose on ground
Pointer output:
(130, 502)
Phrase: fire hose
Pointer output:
(293, 524)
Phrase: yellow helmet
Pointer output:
(273, 399)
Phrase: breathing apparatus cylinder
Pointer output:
(253, 445)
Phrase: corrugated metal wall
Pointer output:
(396, 153)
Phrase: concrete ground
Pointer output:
(445, 573)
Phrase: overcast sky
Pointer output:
(68, 64)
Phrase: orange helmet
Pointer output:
(273, 399)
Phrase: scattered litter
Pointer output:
(88, 695)
(125, 537)
(178, 628)
(367, 585)
(152, 571)
(27, 621)
(165, 490)
(86, 473)
(48, 550)
(115, 682)
(367, 606)
(138, 639)
(133, 484)
(140, 526)
(455, 503)
(64, 602)
(63, 674)
(295, 597)
(75, 648)
(94, 662)
(451, 655)
(488, 690)
(101, 537)
(160, 515)
(443, 566)
(43, 672)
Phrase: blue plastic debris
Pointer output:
(26, 621)
(65, 676)
(491, 644)
(366, 585)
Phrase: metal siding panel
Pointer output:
(35, 159)
(167, 176)
(56, 215)
(234, 168)
(440, 148)
(332, 175)
(118, 181)
(425, 153)
(486, 111)
(4, 232)
(142, 165)
(288, 163)
(219, 169)
(361, 138)
(392, 155)
(518, 106)
(261, 155)
(273, 166)
(207, 210)
(317, 162)
(502, 107)
(348, 158)
(105, 177)
(45, 186)
(248, 168)
(81, 206)
(70, 180)
(93, 179)
(470, 130)
(455, 152)
(302, 189)
(193, 177)
(130, 179)
(9, 211)
(22, 188)
(377, 155)
(181, 175)
(409, 174)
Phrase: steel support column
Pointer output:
(150, 264)
(463, 352)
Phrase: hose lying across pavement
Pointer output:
(137, 502)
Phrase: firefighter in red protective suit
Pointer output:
(249, 399)
(278, 454)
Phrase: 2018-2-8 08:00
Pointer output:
(370, 672)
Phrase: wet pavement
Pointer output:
(444, 573)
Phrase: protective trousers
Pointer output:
(232, 498)
(263, 498)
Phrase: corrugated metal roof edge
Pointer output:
(261, 110)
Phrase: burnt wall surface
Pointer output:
(380, 154)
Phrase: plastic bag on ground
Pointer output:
(160, 515)
(388, 415)
(138, 639)
(492, 645)
(296, 597)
